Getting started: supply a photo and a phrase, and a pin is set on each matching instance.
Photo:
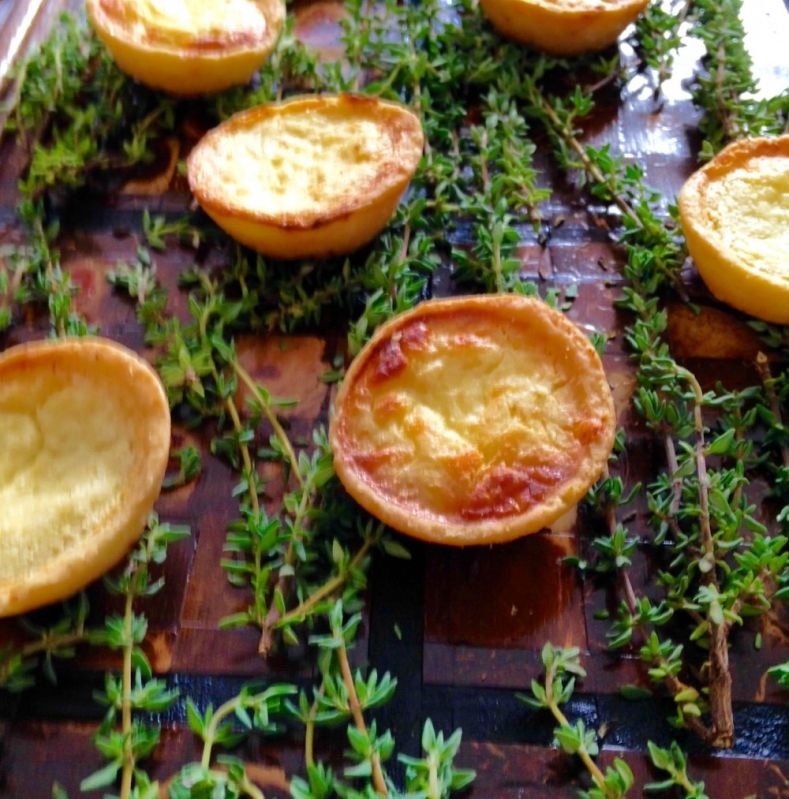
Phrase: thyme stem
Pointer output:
(273, 615)
(309, 732)
(564, 130)
(358, 717)
(327, 589)
(720, 676)
(126, 713)
(265, 407)
(221, 713)
(763, 367)
(582, 752)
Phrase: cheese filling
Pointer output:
(296, 163)
(201, 23)
(470, 420)
(751, 214)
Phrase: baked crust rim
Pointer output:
(489, 530)
(392, 176)
(728, 276)
(183, 69)
(99, 549)
(562, 28)
(271, 10)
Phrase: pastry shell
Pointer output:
(313, 176)
(735, 215)
(85, 436)
(190, 65)
(563, 27)
(473, 420)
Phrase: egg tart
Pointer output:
(85, 437)
(188, 47)
(473, 420)
(735, 215)
(313, 176)
(563, 27)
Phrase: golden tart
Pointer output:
(188, 47)
(563, 27)
(735, 215)
(85, 437)
(313, 176)
(473, 420)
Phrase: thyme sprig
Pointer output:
(659, 34)
(726, 87)
(562, 668)
(136, 689)
(47, 643)
(701, 509)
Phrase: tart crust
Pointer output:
(735, 215)
(164, 53)
(313, 176)
(473, 420)
(85, 436)
(563, 27)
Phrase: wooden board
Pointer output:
(470, 622)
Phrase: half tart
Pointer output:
(735, 215)
(563, 27)
(310, 177)
(188, 47)
(85, 437)
(473, 420)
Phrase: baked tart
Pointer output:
(310, 177)
(473, 420)
(85, 437)
(735, 215)
(563, 27)
(188, 47)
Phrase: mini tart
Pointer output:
(735, 215)
(85, 437)
(563, 27)
(310, 177)
(473, 420)
(188, 47)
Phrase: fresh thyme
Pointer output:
(659, 33)
(699, 511)
(44, 645)
(562, 667)
(136, 689)
(724, 89)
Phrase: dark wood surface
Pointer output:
(471, 622)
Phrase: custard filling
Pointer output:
(469, 419)
(750, 213)
(194, 23)
(67, 456)
(296, 163)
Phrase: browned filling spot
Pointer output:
(512, 490)
(390, 358)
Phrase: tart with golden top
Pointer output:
(473, 420)
(85, 437)
(735, 215)
(310, 177)
(563, 27)
(188, 47)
